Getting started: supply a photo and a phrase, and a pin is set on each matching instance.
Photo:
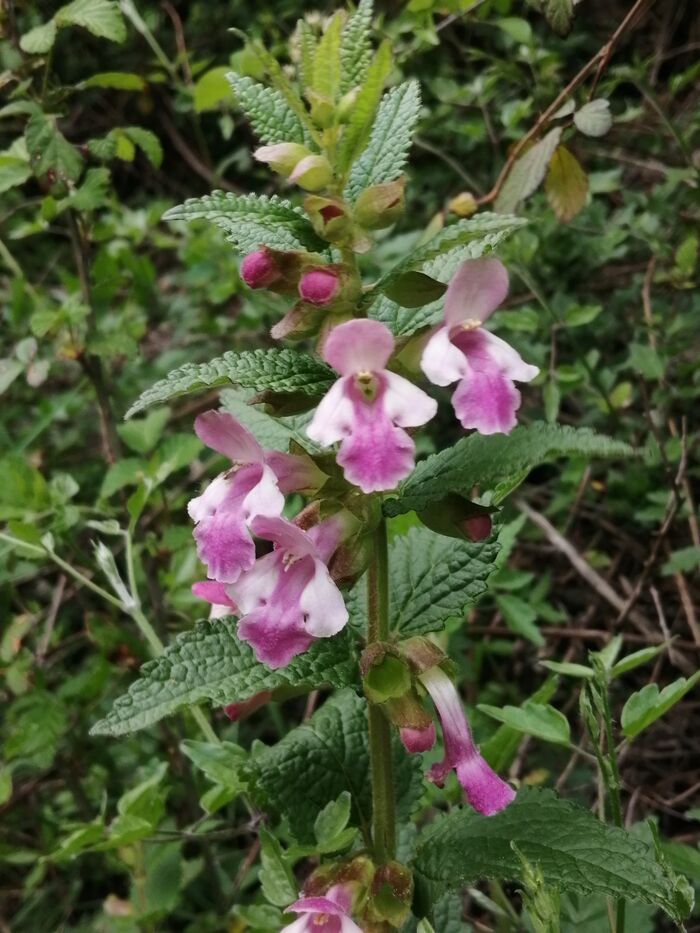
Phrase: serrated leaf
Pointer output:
(594, 118)
(528, 172)
(433, 578)
(648, 704)
(92, 193)
(251, 220)
(559, 14)
(356, 47)
(326, 68)
(390, 139)
(271, 117)
(119, 80)
(278, 370)
(573, 849)
(566, 185)
(147, 142)
(333, 818)
(538, 719)
(49, 150)
(102, 18)
(39, 40)
(324, 756)
(271, 433)
(210, 663)
(358, 129)
(498, 463)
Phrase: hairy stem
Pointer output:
(611, 779)
(381, 764)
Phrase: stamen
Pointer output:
(366, 383)
(471, 323)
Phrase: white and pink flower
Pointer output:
(215, 594)
(368, 408)
(288, 598)
(485, 791)
(327, 914)
(461, 350)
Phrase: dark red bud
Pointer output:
(318, 286)
(478, 528)
(258, 270)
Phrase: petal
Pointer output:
(332, 420)
(223, 433)
(358, 346)
(322, 604)
(485, 791)
(476, 289)
(329, 533)
(349, 926)
(376, 455)
(254, 588)
(487, 402)
(299, 926)
(405, 404)
(417, 740)
(285, 535)
(264, 498)
(294, 473)
(213, 592)
(316, 905)
(442, 362)
(274, 640)
(224, 546)
(508, 360)
(213, 496)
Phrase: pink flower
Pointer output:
(258, 269)
(327, 914)
(318, 286)
(485, 791)
(417, 740)
(368, 407)
(461, 349)
(215, 593)
(288, 597)
(254, 485)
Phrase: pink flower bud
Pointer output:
(318, 286)
(418, 740)
(478, 528)
(258, 270)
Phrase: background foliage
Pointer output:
(112, 115)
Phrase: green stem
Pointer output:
(611, 779)
(381, 764)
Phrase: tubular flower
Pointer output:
(215, 594)
(288, 597)
(485, 791)
(368, 407)
(327, 914)
(462, 350)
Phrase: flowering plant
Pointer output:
(314, 579)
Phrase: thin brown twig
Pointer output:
(601, 58)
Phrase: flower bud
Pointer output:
(301, 321)
(282, 157)
(245, 708)
(346, 105)
(457, 517)
(312, 173)
(463, 204)
(478, 528)
(391, 894)
(329, 217)
(381, 205)
(418, 740)
(258, 269)
(322, 109)
(386, 679)
(319, 286)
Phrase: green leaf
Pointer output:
(326, 68)
(278, 370)
(250, 220)
(147, 142)
(49, 150)
(520, 617)
(528, 172)
(538, 719)
(648, 704)
(142, 436)
(501, 748)
(566, 185)
(39, 40)
(271, 433)
(210, 663)
(433, 578)
(356, 47)
(682, 560)
(276, 878)
(333, 818)
(594, 119)
(211, 88)
(498, 463)
(13, 172)
(390, 140)
(319, 760)
(358, 129)
(636, 659)
(100, 17)
(92, 193)
(414, 289)
(559, 14)
(568, 669)
(271, 117)
(645, 360)
(221, 762)
(573, 849)
(119, 80)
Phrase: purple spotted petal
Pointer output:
(477, 288)
(358, 346)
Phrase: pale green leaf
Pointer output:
(119, 80)
(39, 40)
(528, 172)
(648, 704)
(102, 18)
(636, 659)
(147, 142)
(358, 129)
(568, 669)
(356, 47)
(210, 663)
(498, 463)
(277, 370)
(333, 818)
(594, 118)
(13, 172)
(211, 88)
(251, 220)
(271, 117)
(276, 878)
(538, 719)
(571, 847)
(566, 185)
(326, 67)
